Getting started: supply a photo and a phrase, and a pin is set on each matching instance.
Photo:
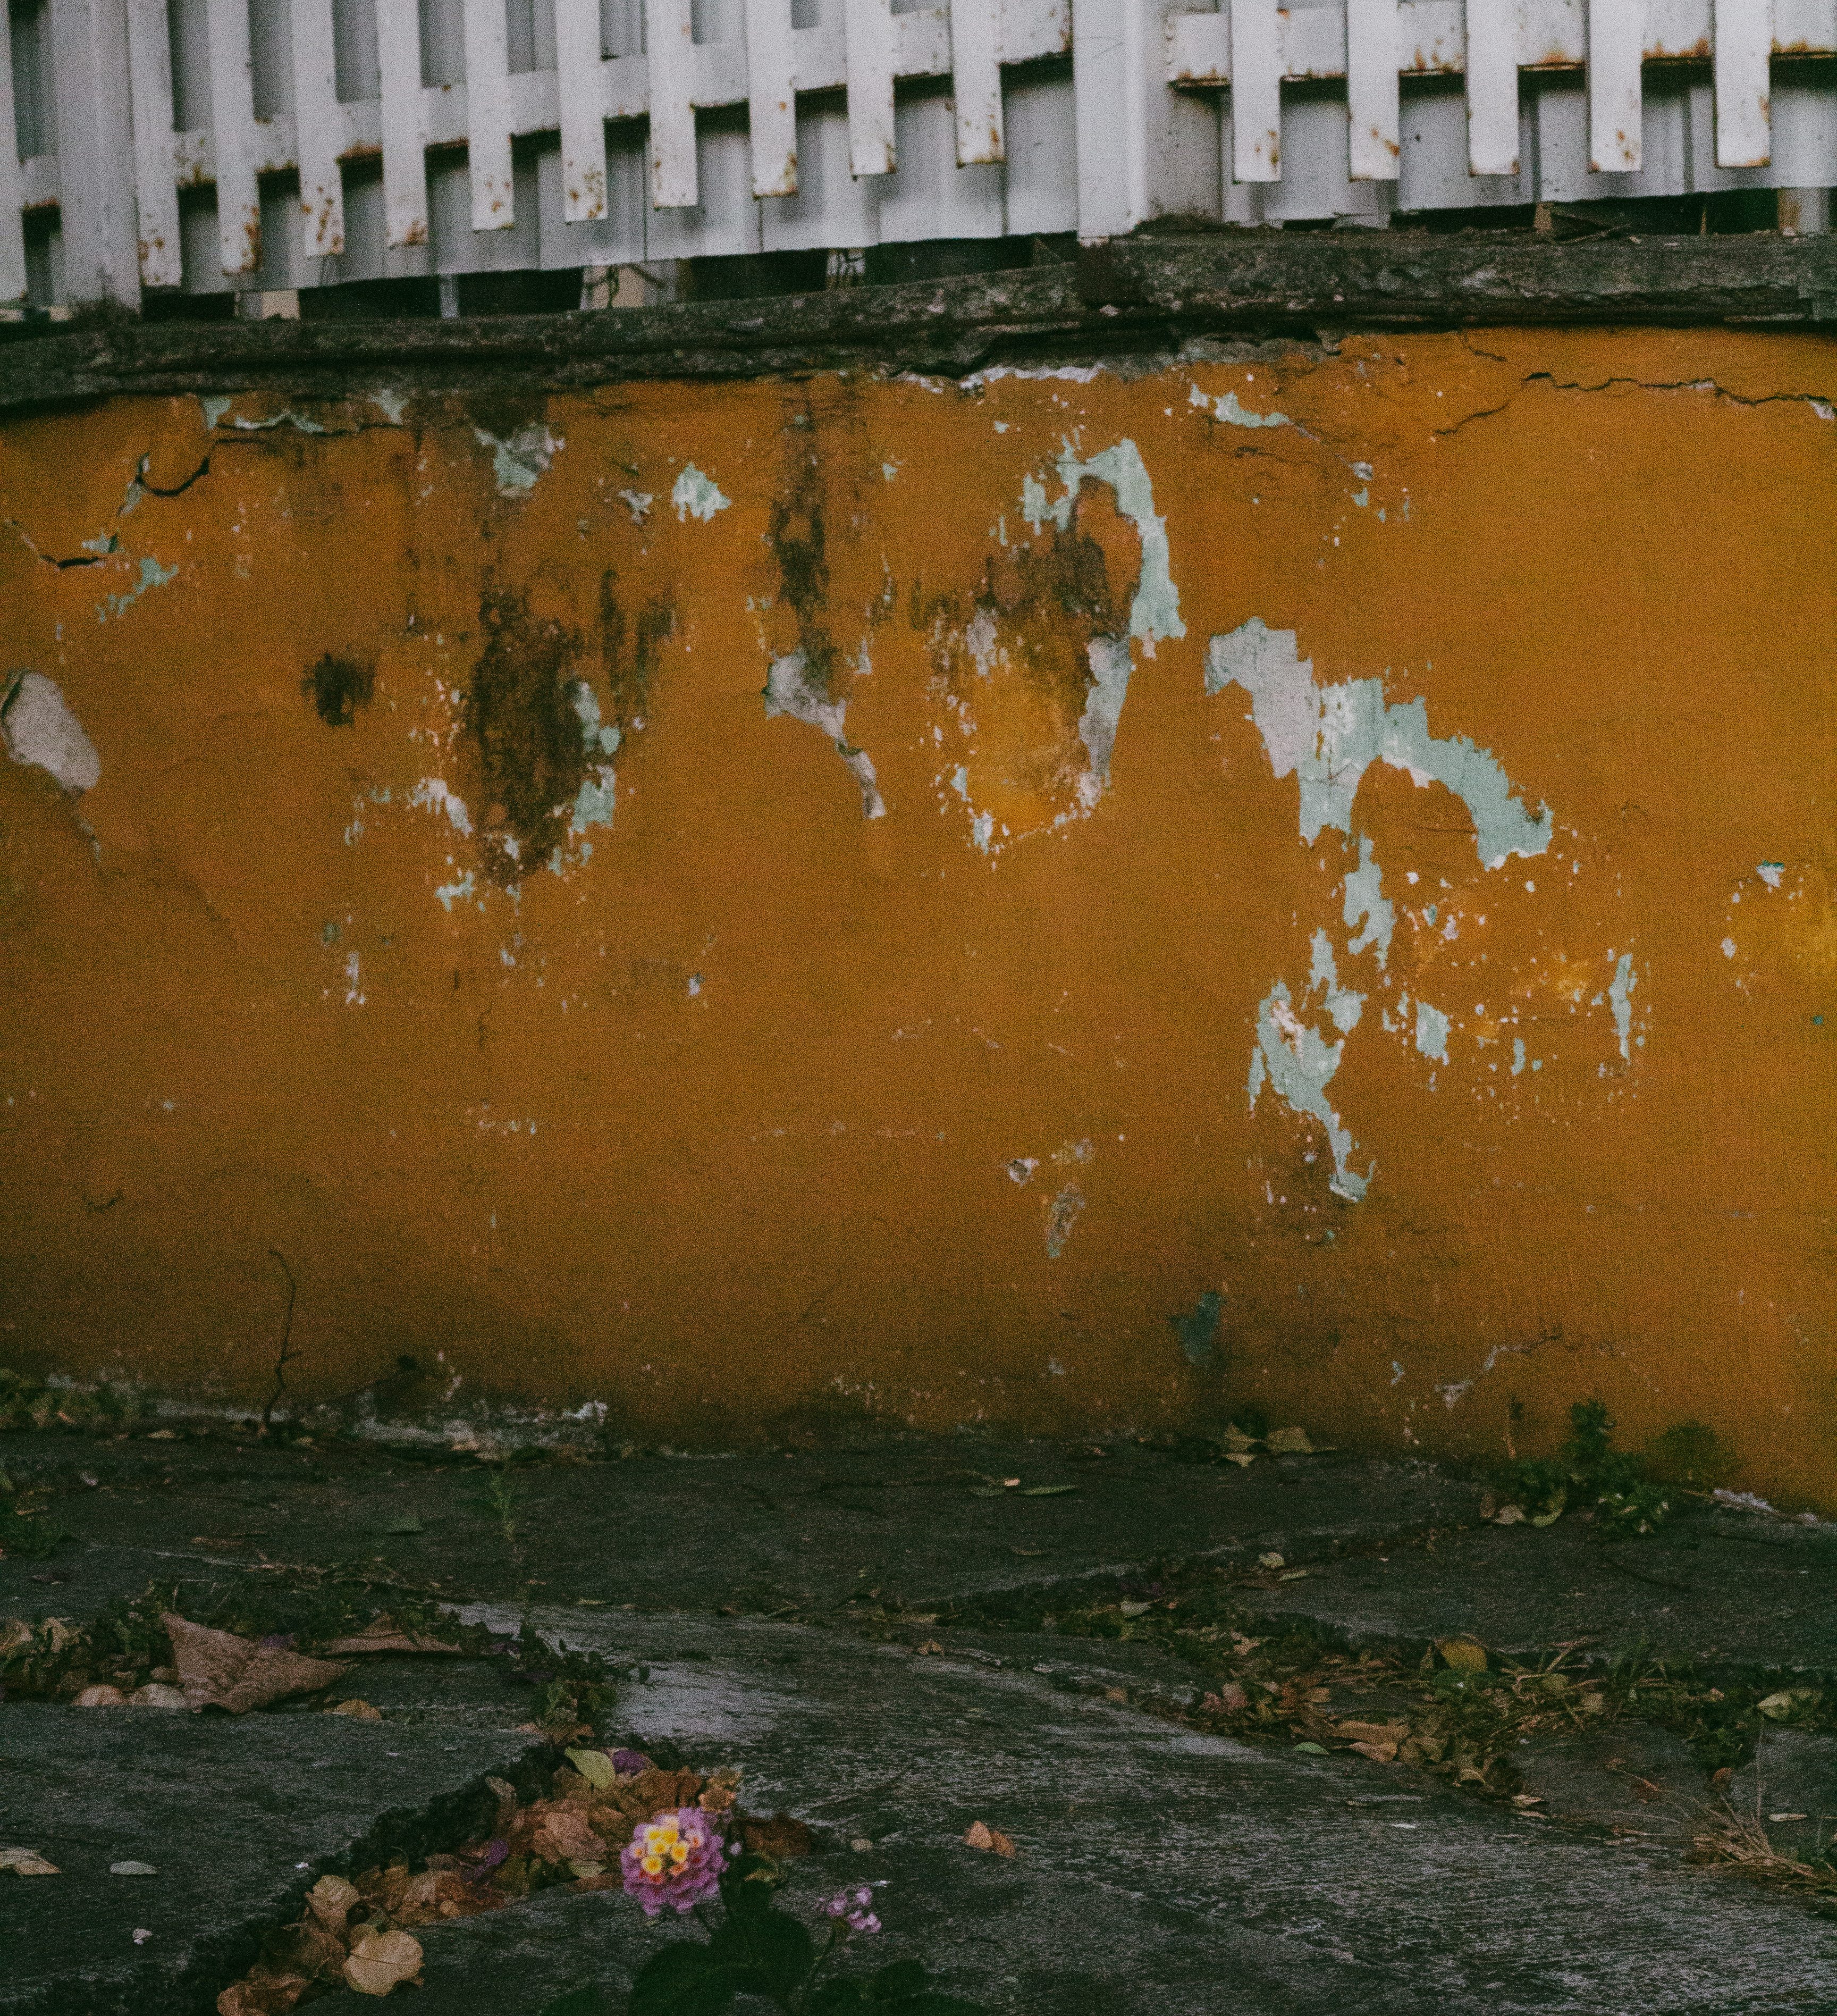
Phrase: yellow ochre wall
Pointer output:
(479, 904)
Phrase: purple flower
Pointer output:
(628, 1763)
(854, 1908)
(497, 1851)
(677, 1858)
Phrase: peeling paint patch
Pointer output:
(1620, 1000)
(790, 690)
(460, 891)
(1225, 408)
(1432, 1032)
(39, 729)
(1021, 1169)
(431, 794)
(1062, 1214)
(1329, 736)
(214, 407)
(1108, 658)
(519, 461)
(638, 503)
(1770, 872)
(1366, 904)
(595, 800)
(152, 575)
(286, 417)
(1155, 612)
(1298, 1062)
(390, 405)
(696, 495)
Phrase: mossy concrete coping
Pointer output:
(1137, 296)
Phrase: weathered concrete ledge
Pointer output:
(1128, 296)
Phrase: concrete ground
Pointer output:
(894, 1642)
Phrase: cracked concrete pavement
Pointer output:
(1157, 1862)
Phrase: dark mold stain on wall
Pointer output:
(628, 651)
(337, 687)
(798, 535)
(525, 734)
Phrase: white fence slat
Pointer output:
(1255, 92)
(772, 101)
(319, 128)
(12, 238)
(1106, 91)
(1744, 48)
(94, 163)
(975, 71)
(869, 31)
(404, 124)
(1492, 87)
(149, 75)
(1373, 106)
(670, 44)
(1616, 97)
(581, 108)
(233, 136)
(488, 115)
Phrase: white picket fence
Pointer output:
(248, 144)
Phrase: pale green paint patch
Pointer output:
(1298, 1062)
(391, 405)
(518, 463)
(286, 417)
(451, 893)
(431, 794)
(1108, 658)
(1620, 999)
(1155, 611)
(1432, 1032)
(789, 690)
(1342, 1003)
(1226, 407)
(214, 407)
(1366, 904)
(696, 495)
(1329, 737)
(152, 575)
(1518, 1055)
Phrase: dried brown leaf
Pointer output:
(983, 1836)
(380, 1961)
(262, 1992)
(384, 1634)
(781, 1837)
(218, 1669)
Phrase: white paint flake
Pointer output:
(39, 728)
(1225, 407)
(1298, 1061)
(518, 463)
(694, 495)
(638, 503)
(1155, 612)
(1366, 904)
(1432, 1032)
(789, 690)
(1329, 736)
(1620, 1000)
(432, 794)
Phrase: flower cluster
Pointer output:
(854, 1906)
(675, 1858)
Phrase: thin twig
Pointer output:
(286, 1336)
